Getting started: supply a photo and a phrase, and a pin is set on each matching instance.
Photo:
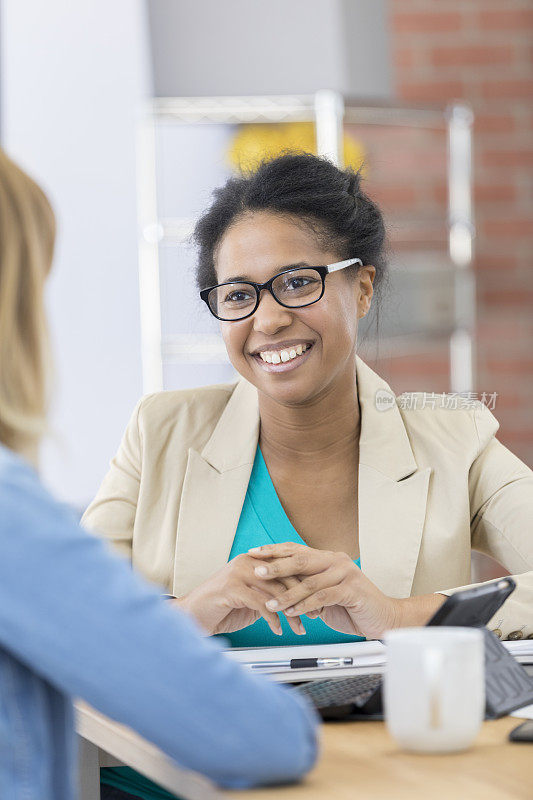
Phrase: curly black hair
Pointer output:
(310, 189)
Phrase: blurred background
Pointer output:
(129, 113)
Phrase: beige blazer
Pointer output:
(434, 483)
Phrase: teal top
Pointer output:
(263, 521)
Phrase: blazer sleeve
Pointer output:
(501, 521)
(112, 512)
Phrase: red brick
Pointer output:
(505, 19)
(426, 22)
(399, 163)
(435, 92)
(506, 263)
(439, 192)
(515, 227)
(494, 193)
(508, 158)
(422, 365)
(404, 58)
(472, 55)
(394, 196)
(508, 89)
(439, 64)
(510, 366)
(493, 123)
(508, 297)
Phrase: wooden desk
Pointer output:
(105, 743)
(358, 759)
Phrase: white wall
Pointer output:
(246, 47)
(367, 48)
(72, 76)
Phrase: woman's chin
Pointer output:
(287, 386)
(288, 393)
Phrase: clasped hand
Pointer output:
(324, 584)
(292, 579)
(235, 597)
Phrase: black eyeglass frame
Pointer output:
(322, 271)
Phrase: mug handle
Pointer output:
(433, 666)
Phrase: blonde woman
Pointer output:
(74, 621)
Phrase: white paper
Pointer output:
(368, 656)
(522, 649)
(526, 712)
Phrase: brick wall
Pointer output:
(481, 51)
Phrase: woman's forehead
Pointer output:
(268, 242)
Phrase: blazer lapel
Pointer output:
(214, 489)
(392, 492)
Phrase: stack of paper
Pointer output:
(521, 649)
(368, 656)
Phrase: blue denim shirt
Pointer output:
(76, 622)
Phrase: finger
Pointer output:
(273, 588)
(305, 588)
(269, 589)
(305, 562)
(254, 600)
(327, 596)
(249, 577)
(320, 600)
(288, 582)
(295, 623)
(275, 550)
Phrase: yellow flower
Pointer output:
(257, 142)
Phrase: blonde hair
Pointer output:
(27, 233)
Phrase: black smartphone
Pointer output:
(524, 732)
(473, 608)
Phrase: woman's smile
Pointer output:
(282, 358)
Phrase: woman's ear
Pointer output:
(365, 289)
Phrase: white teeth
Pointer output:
(279, 356)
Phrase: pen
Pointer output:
(301, 663)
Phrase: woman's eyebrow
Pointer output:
(244, 279)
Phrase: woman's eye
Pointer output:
(237, 297)
(296, 283)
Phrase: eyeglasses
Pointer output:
(292, 288)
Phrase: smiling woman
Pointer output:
(370, 512)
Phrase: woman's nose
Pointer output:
(270, 316)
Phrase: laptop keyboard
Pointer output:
(335, 692)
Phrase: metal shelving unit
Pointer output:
(329, 111)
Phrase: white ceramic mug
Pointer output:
(434, 687)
